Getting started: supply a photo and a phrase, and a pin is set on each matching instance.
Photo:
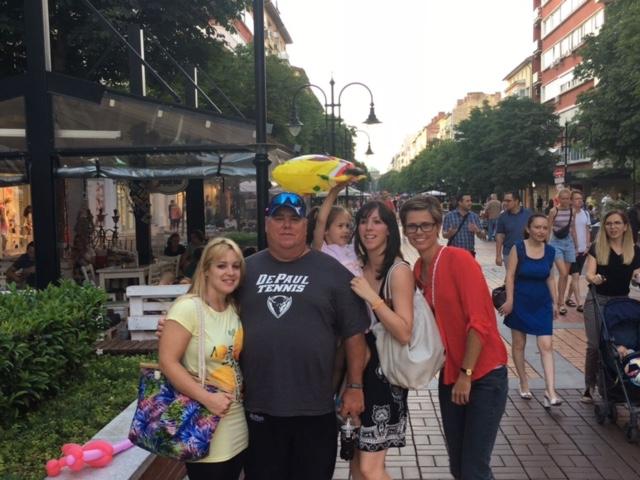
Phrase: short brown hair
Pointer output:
(427, 202)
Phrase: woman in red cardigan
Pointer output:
(473, 383)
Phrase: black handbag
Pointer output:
(564, 231)
(499, 296)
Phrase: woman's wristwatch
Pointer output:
(467, 371)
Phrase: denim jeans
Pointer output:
(492, 226)
(470, 430)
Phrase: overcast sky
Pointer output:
(417, 56)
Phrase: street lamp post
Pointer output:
(295, 125)
(367, 153)
(261, 160)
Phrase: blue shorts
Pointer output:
(565, 248)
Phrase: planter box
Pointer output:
(132, 464)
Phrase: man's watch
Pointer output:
(467, 371)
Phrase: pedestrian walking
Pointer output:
(492, 209)
(633, 213)
(612, 262)
(473, 384)
(175, 215)
(511, 225)
(583, 241)
(384, 419)
(461, 225)
(550, 205)
(531, 306)
(562, 237)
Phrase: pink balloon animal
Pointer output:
(96, 454)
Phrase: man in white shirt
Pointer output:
(583, 237)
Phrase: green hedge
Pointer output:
(105, 386)
(45, 336)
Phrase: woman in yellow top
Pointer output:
(220, 270)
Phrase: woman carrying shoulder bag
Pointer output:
(384, 420)
(530, 307)
(219, 272)
(612, 262)
(473, 383)
(562, 237)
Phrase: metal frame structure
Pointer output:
(41, 157)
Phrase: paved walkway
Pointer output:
(532, 443)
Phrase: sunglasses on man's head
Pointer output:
(287, 199)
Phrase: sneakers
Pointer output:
(587, 396)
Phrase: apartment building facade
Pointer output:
(519, 80)
(276, 35)
(560, 29)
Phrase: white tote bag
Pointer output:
(414, 365)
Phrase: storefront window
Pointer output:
(16, 225)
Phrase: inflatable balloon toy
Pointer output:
(310, 174)
(96, 454)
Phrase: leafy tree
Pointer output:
(233, 73)
(389, 181)
(611, 110)
(501, 147)
(507, 146)
(82, 46)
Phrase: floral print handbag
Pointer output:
(168, 423)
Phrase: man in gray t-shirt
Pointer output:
(292, 313)
(295, 304)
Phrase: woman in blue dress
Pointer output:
(531, 304)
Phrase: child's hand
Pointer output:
(338, 187)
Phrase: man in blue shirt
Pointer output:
(461, 225)
(511, 225)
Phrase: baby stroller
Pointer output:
(620, 326)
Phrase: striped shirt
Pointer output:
(562, 218)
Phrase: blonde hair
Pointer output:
(564, 191)
(603, 246)
(213, 251)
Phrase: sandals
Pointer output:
(525, 395)
(551, 402)
(570, 303)
(562, 310)
(580, 308)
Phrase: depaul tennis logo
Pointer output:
(279, 305)
(282, 283)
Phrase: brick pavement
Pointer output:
(532, 443)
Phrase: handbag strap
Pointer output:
(387, 279)
(459, 228)
(201, 341)
(433, 278)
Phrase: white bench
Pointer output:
(147, 305)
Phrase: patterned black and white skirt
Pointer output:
(384, 420)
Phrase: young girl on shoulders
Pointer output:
(332, 232)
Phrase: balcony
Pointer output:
(535, 78)
(537, 15)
